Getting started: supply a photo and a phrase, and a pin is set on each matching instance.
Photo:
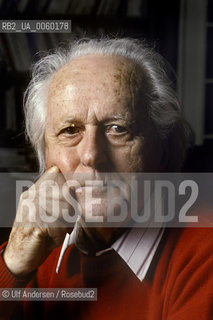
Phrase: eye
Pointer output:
(71, 130)
(116, 129)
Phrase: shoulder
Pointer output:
(192, 240)
(191, 257)
(188, 280)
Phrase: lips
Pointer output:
(101, 177)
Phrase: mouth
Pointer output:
(97, 190)
(93, 178)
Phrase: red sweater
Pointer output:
(178, 285)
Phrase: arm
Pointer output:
(9, 280)
(30, 243)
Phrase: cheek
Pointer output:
(136, 159)
(128, 158)
(65, 160)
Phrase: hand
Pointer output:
(33, 240)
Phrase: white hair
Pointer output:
(163, 106)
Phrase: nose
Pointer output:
(92, 149)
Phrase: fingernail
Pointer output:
(53, 169)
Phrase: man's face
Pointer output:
(92, 124)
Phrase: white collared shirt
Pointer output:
(136, 247)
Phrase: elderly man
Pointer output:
(106, 106)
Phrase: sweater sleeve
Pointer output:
(10, 309)
(7, 279)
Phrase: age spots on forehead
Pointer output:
(97, 65)
(89, 75)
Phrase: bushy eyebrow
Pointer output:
(78, 121)
(117, 118)
(72, 120)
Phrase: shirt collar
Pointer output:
(136, 247)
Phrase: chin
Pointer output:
(100, 208)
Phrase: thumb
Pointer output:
(50, 174)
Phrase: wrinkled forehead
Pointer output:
(97, 72)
